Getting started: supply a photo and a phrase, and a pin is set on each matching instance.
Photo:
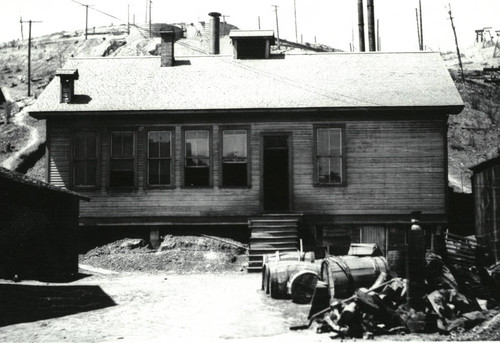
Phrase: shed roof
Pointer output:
(16, 177)
(293, 82)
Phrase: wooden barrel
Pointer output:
(282, 256)
(302, 286)
(344, 274)
(288, 256)
(280, 273)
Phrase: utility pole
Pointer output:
(418, 30)
(295, 15)
(128, 19)
(421, 26)
(150, 34)
(29, 52)
(21, 22)
(379, 46)
(258, 20)
(86, 19)
(456, 43)
(277, 26)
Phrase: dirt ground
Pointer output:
(164, 306)
(161, 306)
(197, 288)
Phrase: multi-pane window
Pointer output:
(234, 158)
(121, 172)
(159, 158)
(85, 159)
(329, 156)
(197, 158)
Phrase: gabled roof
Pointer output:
(16, 177)
(209, 83)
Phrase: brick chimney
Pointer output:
(214, 47)
(67, 77)
(167, 48)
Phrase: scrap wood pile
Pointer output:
(360, 297)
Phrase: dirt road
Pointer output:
(161, 307)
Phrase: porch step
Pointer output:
(271, 233)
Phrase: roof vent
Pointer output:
(167, 48)
(252, 44)
(68, 77)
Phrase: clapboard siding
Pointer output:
(59, 156)
(393, 167)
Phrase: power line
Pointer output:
(95, 9)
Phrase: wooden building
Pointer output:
(38, 223)
(349, 143)
(486, 192)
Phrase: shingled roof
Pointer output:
(207, 83)
(16, 177)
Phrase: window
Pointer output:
(85, 159)
(121, 172)
(159, 158)
(329, 156)
(234, 158)
(197, 158)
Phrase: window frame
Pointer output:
(343, 156)
(209, 129)
(172, 157)
(221, 155)
(97, 159)
(134, 154)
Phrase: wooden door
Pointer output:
(275, 181)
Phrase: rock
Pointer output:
(133, 243)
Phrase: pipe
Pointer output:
(361, 25)
(371, 25)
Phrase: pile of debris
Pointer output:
(388, 306)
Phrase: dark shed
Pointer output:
(486, 191)
(38, 224)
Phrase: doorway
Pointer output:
(276, 174)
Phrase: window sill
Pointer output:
(122, 189)
(197, 187)
(234, 187)
(153, 187)
(344, 184)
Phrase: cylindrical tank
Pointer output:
(278, 274)
(344, 274)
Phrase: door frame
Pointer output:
(290, 168)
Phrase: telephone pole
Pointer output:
(421, 26)
(295, 15)
(277, 26)
(21, 22)
(29, 52)
(456, 43)
(128, 19)
(150, 34)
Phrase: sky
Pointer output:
(331, 22)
